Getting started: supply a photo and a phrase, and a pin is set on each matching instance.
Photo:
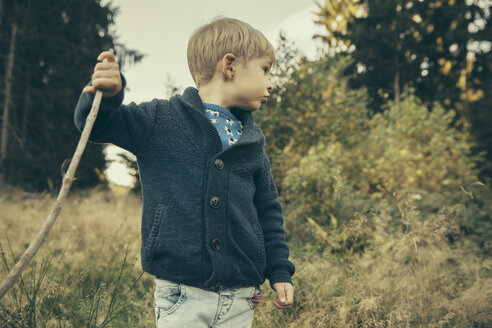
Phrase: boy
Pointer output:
(212, 226)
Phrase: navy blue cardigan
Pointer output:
(210, 216)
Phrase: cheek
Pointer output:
(262, 80)
(258, 88)
(255, 85)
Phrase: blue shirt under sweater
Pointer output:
(227, 125)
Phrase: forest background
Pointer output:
(381, 150)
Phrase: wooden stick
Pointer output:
(68, 178)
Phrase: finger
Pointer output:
(289, 290)
(281, 293)
(104, 84)
(89, 89)
(102, 66)
(105, 74)
(280, 306)
(108, 55)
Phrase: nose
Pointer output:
(269, 86)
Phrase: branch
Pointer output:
(68, 178)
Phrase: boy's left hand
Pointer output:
(285, 291)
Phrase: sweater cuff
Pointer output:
(280, 277)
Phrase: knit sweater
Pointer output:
(210, 216)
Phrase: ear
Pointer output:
(228, 63)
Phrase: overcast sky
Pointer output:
(160, 29)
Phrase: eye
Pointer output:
(266, 69)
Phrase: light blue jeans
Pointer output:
(179, 305)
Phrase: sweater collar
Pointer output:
(251, 132)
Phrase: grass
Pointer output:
(88, 272)
(96, 281)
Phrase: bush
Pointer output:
(409, 274)
(316, 196)
(316, 106)
(410, 146)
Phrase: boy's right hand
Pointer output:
(106, 76)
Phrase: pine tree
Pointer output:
(441, 48)
(56, 48)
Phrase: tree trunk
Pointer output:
(27, 104)
(1, 13)
(397, 80)
(6, 102)
(67, 180)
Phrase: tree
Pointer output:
(56, 48)
(441, 48)
(310, 104)
(7, 101)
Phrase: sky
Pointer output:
(160, 29)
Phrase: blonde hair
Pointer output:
(210, 42)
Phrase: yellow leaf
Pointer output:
(462, 80)
(317, 228)
(446, 68)
(333, 221)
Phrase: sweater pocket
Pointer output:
(154, 231)
(261, 246)
(245, 174)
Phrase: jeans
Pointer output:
(179, 305)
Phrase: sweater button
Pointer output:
(216, 243)
(219, 163)
(215, 202)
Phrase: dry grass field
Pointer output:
(87, 274)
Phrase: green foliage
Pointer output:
(475, 216)
(410, 146)
(317, 197)
(398, 264)
(408, 274)
(441, 48)
(424, 43)
(315, 106)
(90, 295)
(407, 150)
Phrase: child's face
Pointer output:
(251, 85)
